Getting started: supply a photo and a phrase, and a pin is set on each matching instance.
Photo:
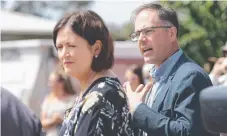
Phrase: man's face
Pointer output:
(154, 44)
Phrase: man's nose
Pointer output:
(141, 37)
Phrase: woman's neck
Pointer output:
(90, 78)
(86, 81)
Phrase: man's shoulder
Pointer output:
(187, 69)
(17, 115)
(187, 66)
(191, 74)
(11, 103)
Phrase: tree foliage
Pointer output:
(121, 33)
(203, 27)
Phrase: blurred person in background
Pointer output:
(134, 75)
(57, 102)
(224, 50)
(146, 72)
(85, 50)
(16, 118)
(218, 74)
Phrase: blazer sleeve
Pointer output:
(186, 121)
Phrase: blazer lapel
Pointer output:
(161, 95)
(165, 87)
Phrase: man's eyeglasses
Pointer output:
(146, 31)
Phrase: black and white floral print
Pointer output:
(103, 111)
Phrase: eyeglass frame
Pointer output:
(148, 29)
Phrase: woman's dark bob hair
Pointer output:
(91, 27)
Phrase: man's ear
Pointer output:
(173, 33)
(97, 47)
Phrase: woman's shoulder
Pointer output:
(105, 91)
(109, 86)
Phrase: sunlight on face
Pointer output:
(74, 53)
(155, 45)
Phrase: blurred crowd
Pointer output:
(103, 103)
(63, 95)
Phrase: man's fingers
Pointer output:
(146, 88)
(128, 87)
(124, 85)
(139, 88)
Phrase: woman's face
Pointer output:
(74, 52)
(53, 82)
(132, 78)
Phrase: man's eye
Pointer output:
(148, 31)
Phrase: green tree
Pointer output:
(203, 27)
(121, 33)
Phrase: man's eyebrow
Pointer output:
(141, 28)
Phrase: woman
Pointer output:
(56, 103)
(85, 49)
(134, 75)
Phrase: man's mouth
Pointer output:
(148, 49)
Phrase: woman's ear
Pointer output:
(97, 47)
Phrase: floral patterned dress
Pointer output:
(103, 111)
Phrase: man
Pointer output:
(16, 118)
(171, 107)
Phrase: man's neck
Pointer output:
(170, 54)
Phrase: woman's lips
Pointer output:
(67, 63)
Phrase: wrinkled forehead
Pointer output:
(146, 18)
(66, 35)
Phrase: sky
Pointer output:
(117, 11)
(112, 11)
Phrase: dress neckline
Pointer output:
(94, 83)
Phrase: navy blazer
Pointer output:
(16, 118)
(176, 110)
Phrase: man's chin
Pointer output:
(148, 60)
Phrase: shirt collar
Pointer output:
(165, 68)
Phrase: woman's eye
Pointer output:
(72, 46)
(59, 47)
